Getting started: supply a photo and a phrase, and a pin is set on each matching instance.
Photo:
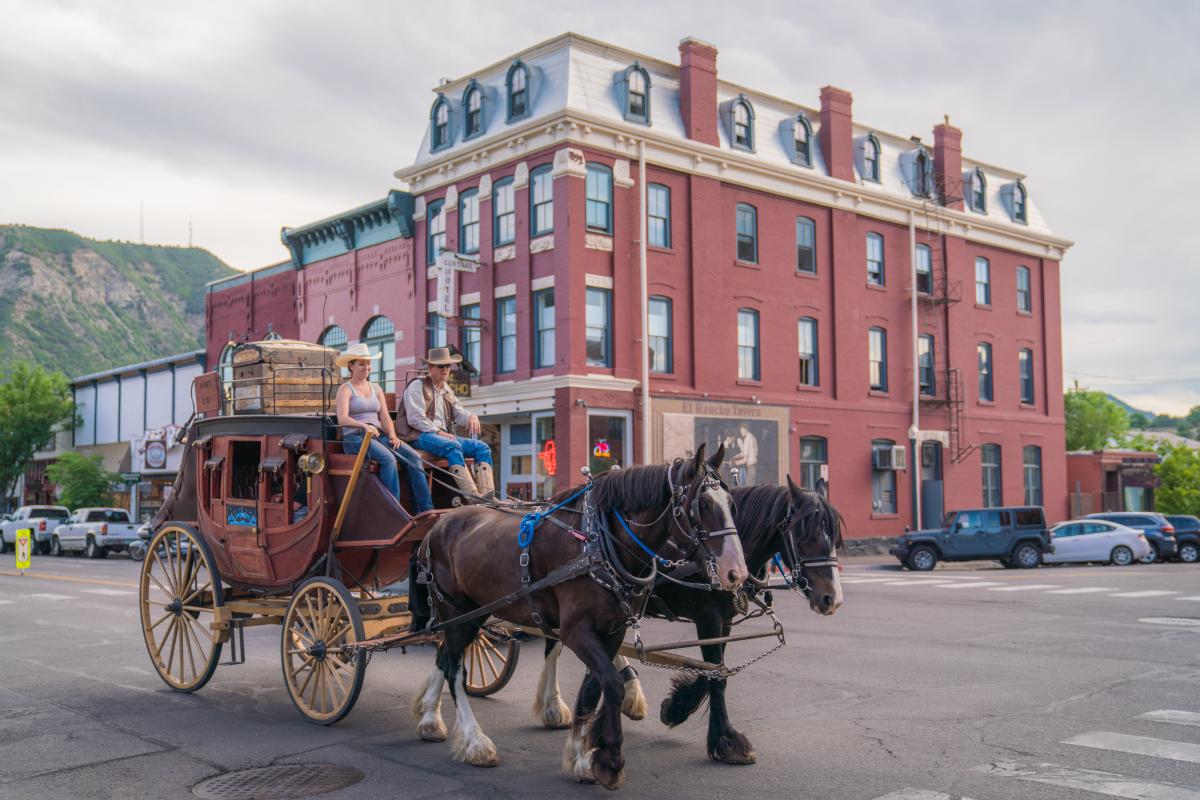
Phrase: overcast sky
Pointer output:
(240, 118)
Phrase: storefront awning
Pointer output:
(114, 457)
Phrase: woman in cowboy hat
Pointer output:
(360, 408)
(431, 411)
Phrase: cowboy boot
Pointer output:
(466, 484)
(484, 480)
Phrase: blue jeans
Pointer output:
(386, 457)
(454, 450)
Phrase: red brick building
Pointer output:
(788, 253)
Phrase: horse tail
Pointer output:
(688, 693)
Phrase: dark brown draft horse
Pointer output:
(471, 556)
(805, 530)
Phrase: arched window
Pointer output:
(473, 104)
(1018, 199)
(468, 222)
(440, 121)
(802, 136)
(978, 191)
(924, 176)
(518, 91)
(871, 158)
(334, 336)
(1033, 475)
(637, 94)
(379, 335)
(541, 200)
(743, 124)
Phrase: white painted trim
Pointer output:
(507, 290)
(598, 281)
(468, 299)
(544, 282)
(536, 394)
(432, 305)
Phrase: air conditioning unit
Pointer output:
(889, 458)
(899, 457)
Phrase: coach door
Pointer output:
(933, 507)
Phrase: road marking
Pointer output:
(865, 580)
(49, 596)
(969, 585)
(915, 794)
(44, 577)
(1090, 780)
(1193, 597)
(1179, 622)
(1141, 745)
(1150, 593)
(1176, 717)
(918, 582)
(109, 592)
(1082, 590)
(1024, 586)
(6, 602)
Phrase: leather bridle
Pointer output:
(797, 578)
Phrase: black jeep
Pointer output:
(1016, 537)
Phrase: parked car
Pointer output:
(94, 531)
(1159, 532)
(1187, 537)
(1084, 540)
(1016, 537)
(42, 520)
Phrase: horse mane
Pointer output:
(634, 489)
(759, 509)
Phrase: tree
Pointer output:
(1093, 419)
(1179, 476)
(33, 401)
(82, 479)
(1138, 421)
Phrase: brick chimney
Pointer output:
(698, 90)
(837, 134)
(947, 164)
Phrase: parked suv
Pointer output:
(1187, 537)
(1016, 537)
(1159, 532)
(41, 520)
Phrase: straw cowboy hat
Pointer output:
(441, 356)
(355, 352)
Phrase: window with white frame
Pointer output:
(599, 198)
(747, 233)
(807, 334)
(440, 118)
(1032, 456)
(504, 228)
(435, 330)
(875, 266)
(471, 337)
(599, 327)
(658, 215)
(1024, 292)
(806, 245)
(637, 85)
(924, 269)
(814, 454)
(871, 158)
(877, 360)
(984, 352)
(925, 365)
(543, 328)
(506, 334)
(518, 91)
(747, 338)
(802, 135)
(743, 124)
(468, 222)
(1019, 199)
(474, 107)
(993, 492)
(541, 199)
(1025, 369)
(983, 282)
(435, 231)
(883, 481)
(978, 191)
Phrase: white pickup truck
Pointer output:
(95, 531)
(41, 520)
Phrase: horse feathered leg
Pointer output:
(577, 754)
(548, 706)
(427, 705)
(470, 743)
(601, 733)
(688, 693)
(634, 706)
(725, 744)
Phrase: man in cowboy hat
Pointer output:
(431, 411)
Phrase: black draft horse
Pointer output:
(471, 554)
(805, 530)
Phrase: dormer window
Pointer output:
(924, 175)
(518, 91)
(637, 93)
(871, 158)
(632, 86)
(473, 103)
(743, 124)
(802, 135)
(440, 117)
(978, 191)
(1018, 202)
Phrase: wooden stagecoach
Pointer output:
(272, 523)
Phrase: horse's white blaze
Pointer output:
(427, 708)
(837, 584)
(731, 560)
(470, 743)
(577, 757)
(548, 706)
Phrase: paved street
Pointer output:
(968, 682)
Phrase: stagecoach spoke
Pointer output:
(299, 634)
(174, 639)
(191, 657)
(166, 635)
(471, 658)
(185, 572)
(342, 631)
(306, 662)
(308, 620)
(202, 589)
(491, 663)
(333, 670)
(196, 628)
(163, 618)
(164, 589)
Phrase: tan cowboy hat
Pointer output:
(440, 356)
(356, 352)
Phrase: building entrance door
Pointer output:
(528, 465)
(933, 507)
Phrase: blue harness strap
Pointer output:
(653, 555)
(531, 521)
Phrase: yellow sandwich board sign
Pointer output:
(24, 546)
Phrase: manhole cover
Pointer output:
(1182, 622)
(277, 783)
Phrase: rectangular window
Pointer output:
(543, 328)
(504, 229)
(435, 226)
(1025, 362)
(925, 361)
(747, 334)
(506, 334)
(985, 371)
(813, 455)
(747, 233)
(883, 481)
(658, 215)
(599, 327)
(660, 335)
(1033, 477)
(878, 359)
(607, 441)
(808, 352)
(471, 340)
(983, 282)
(924, 270)
(875, 275)
(435, 325)
(1024, 296)
(468, 222)
(599, 198)
(541, 194)
(989, 455)
(806, 245)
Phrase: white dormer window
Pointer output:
(871, 158)
(923, 180)
(802, 137)
(743, 125)
(518, 91)
(440, 117)
(474, 106)
(978, 191)
(632, 86)
(1018, 201)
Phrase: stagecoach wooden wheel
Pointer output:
(179, 592)
(489, 662)
(322, 677)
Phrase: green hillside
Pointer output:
(79, 305)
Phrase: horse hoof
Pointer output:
(738, 759)
(610, 780)
(479, 752)
(634, 705)
(556, 716)
(432, 731)
(733, 748)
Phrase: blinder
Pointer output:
(797, 578)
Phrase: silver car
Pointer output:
(1084, 540)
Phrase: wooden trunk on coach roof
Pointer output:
(284, 377)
